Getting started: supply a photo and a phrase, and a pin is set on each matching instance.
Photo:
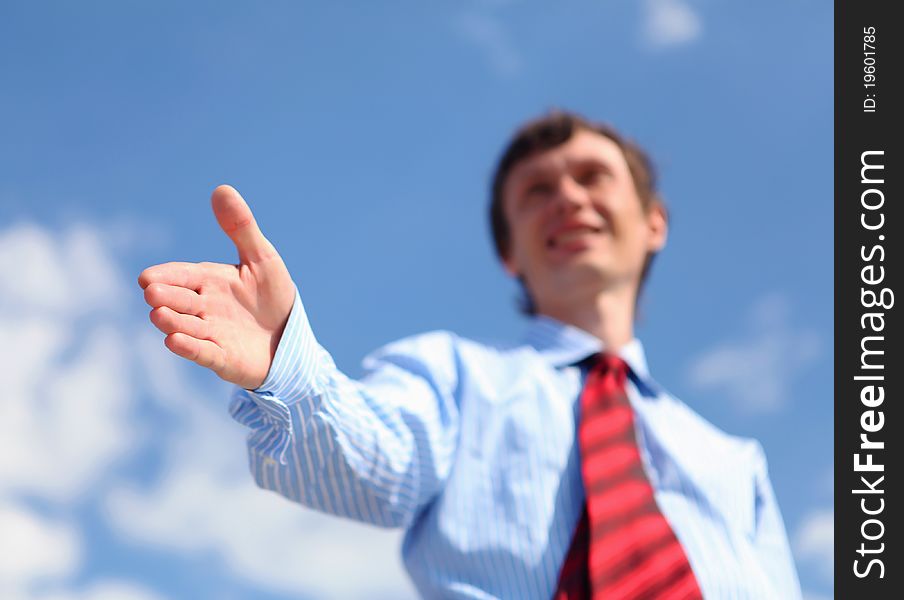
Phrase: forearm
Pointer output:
(336, 455)
(372, 450)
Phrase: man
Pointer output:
(557, 467)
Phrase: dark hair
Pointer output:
(546, 133)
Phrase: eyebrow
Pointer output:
(593, 162)
(545, 171)
(532, 172)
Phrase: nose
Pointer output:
(570, 195)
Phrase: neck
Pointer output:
(608, 315)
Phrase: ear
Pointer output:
(658, 224)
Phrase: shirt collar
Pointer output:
(562, 344)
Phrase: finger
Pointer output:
(181, 300)
(237, 221)
(169, 321)
(183, 274)
(202, 352)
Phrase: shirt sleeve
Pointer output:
(376, 449)
(770, 538)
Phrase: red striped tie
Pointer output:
(623, 548)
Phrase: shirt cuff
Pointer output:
(292, 376)
(293, 368)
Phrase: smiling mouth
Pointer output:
(571, 235)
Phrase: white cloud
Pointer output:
(62, 275)
(814, 541)
(756, 373)
(488, 34)
(74, 369)
(33, 548)
(206, 502)
(64, 417)
(670, 23)
(262, 538)
(64, 420)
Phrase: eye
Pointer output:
(538, 190)
(541, 187)
(592, 177)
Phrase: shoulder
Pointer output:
(710, 438)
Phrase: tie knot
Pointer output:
(611, 365)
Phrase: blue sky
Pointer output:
(363, 136)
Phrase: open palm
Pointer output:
(228, 318)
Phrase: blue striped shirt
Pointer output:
(472, 449)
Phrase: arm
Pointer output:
(771, 541)
(374, 450)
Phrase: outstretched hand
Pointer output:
(228, 318)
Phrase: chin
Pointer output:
(584, 264)
(577, 274)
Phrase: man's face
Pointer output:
(576, 223)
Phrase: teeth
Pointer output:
(572, 234)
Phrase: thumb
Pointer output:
(236, 219)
